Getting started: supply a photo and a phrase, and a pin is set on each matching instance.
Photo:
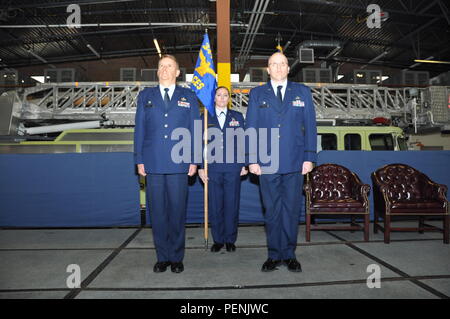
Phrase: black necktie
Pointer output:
(166, 98)
(279, 95)
(220, 118)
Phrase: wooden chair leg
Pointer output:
(446, 228)
(308, 227)
(387, 229)
(421, 224)
(375, 221)
(352, 222)
(366, 227)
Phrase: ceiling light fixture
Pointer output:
(41, 58)
(155, 41)
(93, 50)
(96, 53)
(432, 61)
(37, 56)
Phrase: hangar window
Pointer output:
(402, 145)
(327, 142)
(381, 142)
(352, 142)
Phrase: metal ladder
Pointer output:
(116, 101)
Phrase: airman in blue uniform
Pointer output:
(160, 110)
(224, 175)
(287, 106)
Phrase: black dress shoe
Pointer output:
(270, 265)
(230, 247)
(177, 267)
(293, 265)
(216, 247)
(161, 266)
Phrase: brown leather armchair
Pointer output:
(333, 190)
(400, 190)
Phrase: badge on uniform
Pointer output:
(183, 103)
(233, 122)
(149, 104)
(298, 102)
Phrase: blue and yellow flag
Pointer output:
(204, 80)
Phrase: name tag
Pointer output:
(298, 103)
(149, 104)
(234, 123)
(184, 104)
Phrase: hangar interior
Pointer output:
(359, 70)
(69, 79)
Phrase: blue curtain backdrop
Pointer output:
(68, 190)
(102, 189)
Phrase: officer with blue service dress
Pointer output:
(286, 106)
(224, 176)
(160, 110)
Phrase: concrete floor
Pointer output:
(117, 263)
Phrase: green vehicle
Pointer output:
(340, 138)
(357, 138)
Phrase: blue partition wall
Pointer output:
(68, 190)
(102, 189)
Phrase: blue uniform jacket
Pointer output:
(154, 125)
(234, 120)
(295, 118)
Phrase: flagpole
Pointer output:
(205, 194)
(204, 85)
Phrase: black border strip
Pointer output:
(392, 268)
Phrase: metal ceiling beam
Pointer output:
(195, 10)
(359, 7)
(444, 11)
(81, 34)
(59, 4)
(116, 24)
(254, 23)
(412, 33)
(131, 11)
(193, 49)
(409, 35)
(105, 55)
(427, 7)
(274, 31)
(337, 37)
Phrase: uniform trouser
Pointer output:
(281, 196)
(223, 202)
(167, 201)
